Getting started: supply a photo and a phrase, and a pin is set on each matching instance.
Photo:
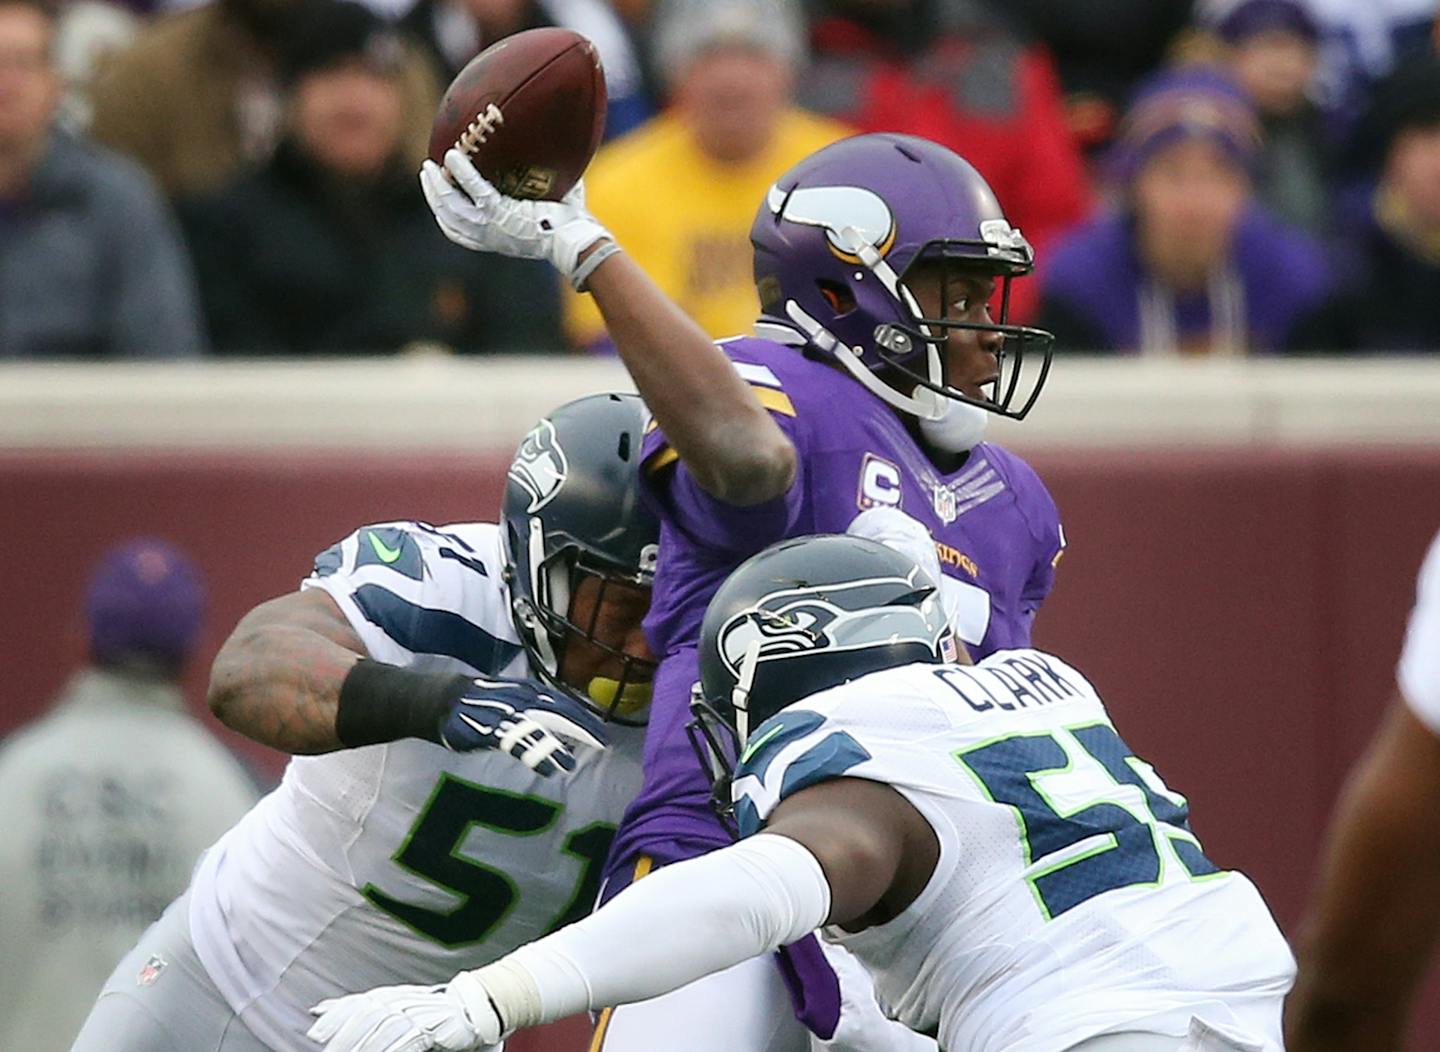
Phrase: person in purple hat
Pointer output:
(145, 608)
(883, 264)
(110, 797)
(1272, 48)
(1186, 263)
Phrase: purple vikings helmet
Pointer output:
(834, 240)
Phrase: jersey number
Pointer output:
(1119, 850)
(432, 850)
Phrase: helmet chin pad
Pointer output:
(959, 430)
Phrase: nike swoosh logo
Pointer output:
(384, 551)
(754, 746)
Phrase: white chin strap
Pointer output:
(541, 633)
(958, 430)
(922, 402)
(740, 694)
(947, 424)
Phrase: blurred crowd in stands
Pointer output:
(237, 177)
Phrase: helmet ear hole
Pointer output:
(839, 297)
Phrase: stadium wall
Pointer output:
(1236, 585)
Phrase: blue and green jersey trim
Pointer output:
(831, 756)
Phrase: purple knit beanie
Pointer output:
(145, 603)
(1251, 17)
(1197, 101)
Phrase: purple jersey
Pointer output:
(995, 527)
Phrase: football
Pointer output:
(529, 110)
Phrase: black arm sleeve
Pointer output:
(382, 703)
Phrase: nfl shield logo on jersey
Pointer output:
(946, 506)
(150, 971)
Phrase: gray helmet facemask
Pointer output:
(573, 511)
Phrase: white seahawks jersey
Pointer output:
(1070, 899)
(1419, 672)
(405, 862)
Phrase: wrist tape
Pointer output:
(582, 272)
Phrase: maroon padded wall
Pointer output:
(1240, 611)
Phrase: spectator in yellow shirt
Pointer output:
(681, 190)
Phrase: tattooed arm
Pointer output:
(277, 678)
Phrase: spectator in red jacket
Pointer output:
(1102, 50)
(952, 73)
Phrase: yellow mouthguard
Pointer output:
(602, 691)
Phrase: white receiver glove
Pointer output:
(905, 534)
(456, 1017)
(966, 606)
(475, 215)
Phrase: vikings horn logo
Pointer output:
(800, 621)
(540, 466)
(842, 212)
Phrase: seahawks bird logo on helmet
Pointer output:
(540, 467)
(800, 617)
(844, 617)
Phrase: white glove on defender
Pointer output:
(456, 1017)
(483, 219)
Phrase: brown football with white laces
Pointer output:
(529, 110)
